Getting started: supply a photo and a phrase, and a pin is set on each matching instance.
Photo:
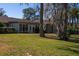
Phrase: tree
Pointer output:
(74, 12)
(37, 9)
(41, 20)
(65, 35)
(59, 15)
(62, 21)
(29, 13)
(2, 12)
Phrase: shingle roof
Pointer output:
(6, 19)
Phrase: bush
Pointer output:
(73, 31)
(7, 30)
(1, 24)
(13, 30)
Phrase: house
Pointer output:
(26, 26)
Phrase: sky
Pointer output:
(15, 9)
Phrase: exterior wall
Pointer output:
(23, 27)
(15, 25)
(31, 28)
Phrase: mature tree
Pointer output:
(58, 13)
(2, 12)
(29, 13)
(61, 21)
(65, 34)
(41, 20)
(74, 15)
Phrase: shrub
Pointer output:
(1, 24)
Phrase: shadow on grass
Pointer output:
(76, 40)
(74, 48)
(71, 39)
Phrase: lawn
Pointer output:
(32, 44)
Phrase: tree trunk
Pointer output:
(65, 35)
(59, 32)
(62, 32)
(41, 21)
(77, 25)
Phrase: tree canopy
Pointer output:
(29, 13)
(2, 12)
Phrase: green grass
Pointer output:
(32, 44)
